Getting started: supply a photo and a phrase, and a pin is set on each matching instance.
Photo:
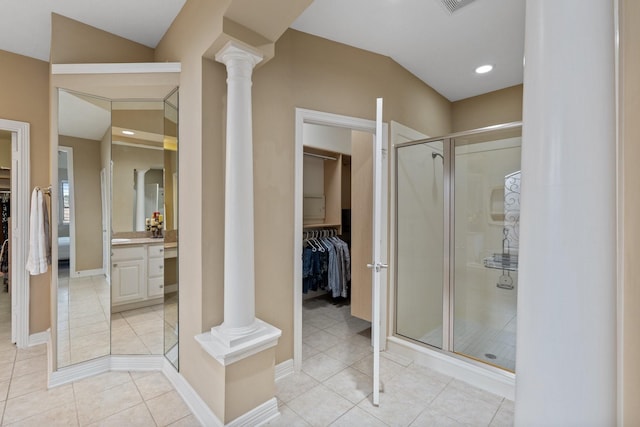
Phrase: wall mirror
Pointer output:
(84, 142)
(117, 210)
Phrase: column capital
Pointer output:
(240, 51)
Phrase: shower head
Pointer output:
(434, 155)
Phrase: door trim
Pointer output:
(303, 116)
(20, 185)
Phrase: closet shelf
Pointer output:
(323, 225)
(502, 262)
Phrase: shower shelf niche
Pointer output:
(502, 261)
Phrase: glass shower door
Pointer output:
(420, 241)
(487, 210)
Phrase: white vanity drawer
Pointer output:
(156, 267)
(127, 253)
(155, 287)
(156, 251)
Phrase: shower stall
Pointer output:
(457, 220)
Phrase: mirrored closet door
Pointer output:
(117, 194)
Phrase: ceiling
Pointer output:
(440, 48)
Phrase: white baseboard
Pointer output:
(79, 371)
(258, 416)
(39, 338)
(284, 369)
(493, 380)
(170, 288)
(193, 400)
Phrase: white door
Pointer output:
(378, 266)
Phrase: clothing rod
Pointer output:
(320, 156)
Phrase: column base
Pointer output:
(229, 348)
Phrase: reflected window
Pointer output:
(65, 205)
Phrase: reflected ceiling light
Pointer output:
(128, 132)
(484, 69)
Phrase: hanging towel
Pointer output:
(46, 227)
(37, 261)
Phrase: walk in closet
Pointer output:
(337, 202)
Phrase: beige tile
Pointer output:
(97, 406)
(349, 352)
(4, 388)
(89, 329)
(60, 416)
(388, 368)
(168, 408)
(28, 366)
(88, 353)
(6, 369)
(351, 384)
(320, 406)
(322, 340)
(37, 403)
(99, 383)
(8, 355)
(153, 385)
(360, 418)
(433, 418)
(188, 421)
(465, 407)
(321, 366)
(293, 386)
(288, 418)
(154, 342)
(29, 383)
(418, 381)
(397, 409)
(28, 353)
(504, 416)
(137, 416)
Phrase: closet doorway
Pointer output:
(334, 202)
(14, 220)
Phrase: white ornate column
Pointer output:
(241, 333)
(566, 338)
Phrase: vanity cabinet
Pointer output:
(128, 275)
(137, 276)
(155, 271)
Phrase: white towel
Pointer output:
(37, 261)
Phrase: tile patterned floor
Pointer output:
(334, 386)
(84, 317)
(137, 399)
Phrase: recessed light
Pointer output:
(484, 69)
(128, 132)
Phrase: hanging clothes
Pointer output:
(326, 264)
(5, 213)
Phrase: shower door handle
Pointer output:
(378, 266)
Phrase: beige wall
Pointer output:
(24, 85)
(73, 42)
(317, 74)
(493, 108)
(5, 149)
(87, 164)
(630, 205)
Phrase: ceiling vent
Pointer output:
(455, 5)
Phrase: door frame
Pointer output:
(20, 185)
(303, 116)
